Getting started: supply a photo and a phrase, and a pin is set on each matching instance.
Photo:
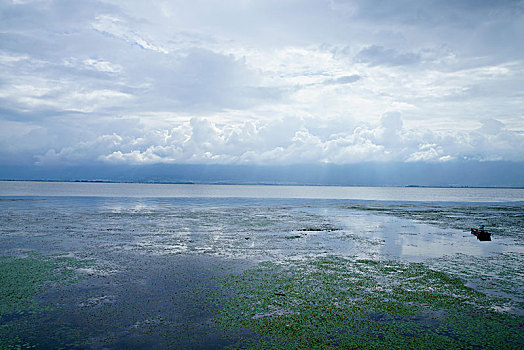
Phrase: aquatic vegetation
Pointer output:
(22, 279)
(499, 275)
(335, 302)
(183, 273)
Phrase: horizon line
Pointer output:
(233, 183)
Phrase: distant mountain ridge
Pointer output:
(449, 174)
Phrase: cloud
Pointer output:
(346, 79)
(276, 82)
(391, 121)
(203, 79)
(201, 141)
(102, 65)
(491, 127)
(378, 55)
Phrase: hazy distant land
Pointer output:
(451, 174)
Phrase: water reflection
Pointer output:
(394, 237)
(261, 229)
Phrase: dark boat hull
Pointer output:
(481, 235)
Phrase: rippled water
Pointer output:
(259, 229)
(159, 242)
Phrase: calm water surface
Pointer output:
(116, 222)
(28, 188)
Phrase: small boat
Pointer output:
(481, 234)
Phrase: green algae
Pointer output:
(499, 275)
(23, 278)
(22, 281)
(334, 302)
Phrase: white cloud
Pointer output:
(279, 82)
(118, 28)
(291, 142)
(102, 65)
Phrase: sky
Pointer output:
(260, 82)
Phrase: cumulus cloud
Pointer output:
(202, 141)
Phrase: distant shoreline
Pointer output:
(232, 183)
(465, 174)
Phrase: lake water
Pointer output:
(29, 188)
(109, 221)
(138, 232)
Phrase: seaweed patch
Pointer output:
(22, 280)
(335, 302)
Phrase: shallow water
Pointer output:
(137, 242)
(260, 229)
